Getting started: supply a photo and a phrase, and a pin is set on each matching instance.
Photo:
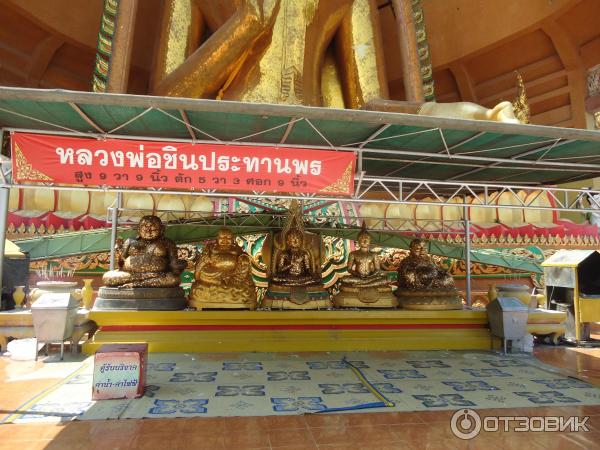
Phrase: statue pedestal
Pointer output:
(216, 297)
(373, 297)
(434, 300)
(141, 299)
(297, 297)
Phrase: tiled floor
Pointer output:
(380, 431)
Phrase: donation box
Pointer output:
(54, 316)
(119, 371)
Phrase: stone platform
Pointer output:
(140, 299)
(293, 331)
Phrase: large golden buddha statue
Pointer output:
(148, 272)
(223, 277)
(366, 285)
(294, 259)
(422, 284)
(301, 52)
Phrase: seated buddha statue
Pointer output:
(223, 277)
(146, 261)
(294, 259)
(422, 284)
(149, 260)
(294, 265)
(366, 285)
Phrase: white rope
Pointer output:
(190, 125)
(44, 122)
(319, 133)
(506, 148)
(390, 137)
(269, 129)
(133, 119)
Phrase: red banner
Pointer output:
(180, 166)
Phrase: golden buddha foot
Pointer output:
(422, 284)
(366, 285)
(149, 260)
(223, 276)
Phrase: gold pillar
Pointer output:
(411, 68)
(122, 46)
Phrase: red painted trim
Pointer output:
(290, 327)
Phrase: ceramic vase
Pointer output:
(19, 296)
(492, 293)
(87, 293)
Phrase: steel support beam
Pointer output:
(4, 196)
(467, 255)
(114, 223)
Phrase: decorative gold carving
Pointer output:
(25, 171)
(342, 184)
(593, 81)
(520, 104)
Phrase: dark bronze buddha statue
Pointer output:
(422, 284)
(148, 272)
(148, 260)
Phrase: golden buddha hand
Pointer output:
(204, 71)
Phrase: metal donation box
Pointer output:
(508, 319)
(54, 316)
(573, 286)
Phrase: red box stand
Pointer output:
(119, 371)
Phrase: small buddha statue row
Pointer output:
(223, 277)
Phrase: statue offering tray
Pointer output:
(119, 371)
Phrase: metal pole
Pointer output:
(113, 229)
(4, 200)
(467, 255)
(4, 197)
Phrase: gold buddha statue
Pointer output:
(294, 259)
(422, 284)
(148, 272)
(223, 276)
(149, 260)
(300, 52)
(366, 285)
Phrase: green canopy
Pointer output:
(387, 144)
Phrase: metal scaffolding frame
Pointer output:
(383, 157)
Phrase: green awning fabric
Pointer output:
(95, 241)
(388, 144)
